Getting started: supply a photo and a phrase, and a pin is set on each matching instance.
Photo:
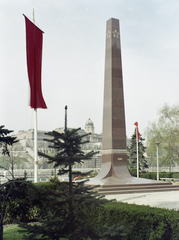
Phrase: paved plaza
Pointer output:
(168, 199)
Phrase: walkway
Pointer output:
(169, 200)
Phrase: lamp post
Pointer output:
(157, 143)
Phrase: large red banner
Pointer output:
(34, 39)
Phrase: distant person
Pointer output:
(25, 174)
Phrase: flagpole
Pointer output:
(137, 146)
(137, 154)
(34, 40)
(35, 147)
(35, 132)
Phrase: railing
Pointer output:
(43, 174)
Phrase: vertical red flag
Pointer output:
(136, 124)
(34, 39)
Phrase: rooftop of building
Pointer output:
(89, 122)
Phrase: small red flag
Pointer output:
(34, 39)
(136, 124)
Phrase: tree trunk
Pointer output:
(70, 180)
(2, 216)
(1, 231)
(12, 170)
(70, 201)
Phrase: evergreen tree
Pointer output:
(6, 140)
(14, 190)
(17, 199)
(69, 205)
(132, 153)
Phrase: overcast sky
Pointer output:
(73, 60)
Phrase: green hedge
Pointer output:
(153, 175)
(50, 185)
(22, 209)
(148, 223)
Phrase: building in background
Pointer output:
(26, 139)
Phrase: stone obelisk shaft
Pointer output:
(114, 131)
(114, 169)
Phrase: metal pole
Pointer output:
(157, 143)
(137, 146)
(35, 147)
(137, 160)
(35, 132)
(66, 118)
(157, 165)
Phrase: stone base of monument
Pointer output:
(136, 188)
(122, 185)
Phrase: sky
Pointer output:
(74, 56)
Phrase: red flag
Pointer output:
(136, 124)
(34, 39)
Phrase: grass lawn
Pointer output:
(11, 233)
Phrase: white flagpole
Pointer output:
(35, 133)
(137, 155)
(157, 143)
(35, 147)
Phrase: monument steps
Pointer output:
(136, 188)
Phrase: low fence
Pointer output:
(43, 174)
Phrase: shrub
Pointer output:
(133, 172)
(148, 223)
(153, 175)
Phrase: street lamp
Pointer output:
(157, 143)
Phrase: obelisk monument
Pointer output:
(114, 174)
(114, 130)
(114, 153)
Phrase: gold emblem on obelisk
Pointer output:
(108, 34)
(115, 33)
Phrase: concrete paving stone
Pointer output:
(168, 199)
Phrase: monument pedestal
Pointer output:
(114, 176)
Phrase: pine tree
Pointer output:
(6, 140)
(17, 199)
(69, 205)
(132, 153)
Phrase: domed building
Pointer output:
(26, 139)
(89, 126)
